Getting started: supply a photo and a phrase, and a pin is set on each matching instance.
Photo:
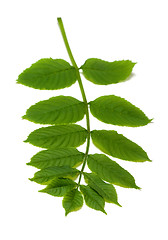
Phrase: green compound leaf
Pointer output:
(72, 201)
(48, 74)
(59, 157)
(44, 176)
(118, 146)
(110, 171)
(92, 198)
(107, 191)
(117, 111)
(59, 136)
(102, 72)
(56, 110)
(59, 187)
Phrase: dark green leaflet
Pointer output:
(49, 74)
(118, 146)
(93, 199)
(59, 157)
(59, 136)
(107, 191)
(72, 201)
(103, 72)
(59, 187)
(110, 171)
(117, 111)
(56, 110)
(58, 162)
(44, 176)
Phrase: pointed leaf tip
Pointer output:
(24, 117)
(118, 204)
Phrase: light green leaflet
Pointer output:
(59, 160)
(110, 171)
(58, 136)
(72, 201)
(56, 110)
(93, 199)
(116, 145)
(117, 111)
(59, 157)
(103, 72)
(59, 187)
(44, 176)
(49, 74)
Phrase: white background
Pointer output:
(110, 30)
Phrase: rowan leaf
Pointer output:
(56, 110)
(48, 74)
(107, 191)
(117, 111)
(59, 187)
(92, 198)
(59, 136)
(59, 157)
(45, 175)
(58, 162)
(102, 72)
(118, 146)
(110, 171)
(72, 201)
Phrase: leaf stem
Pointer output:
(62, 29)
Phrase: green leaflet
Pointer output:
(44, 176)
(116, 145)
(56, 110)
(59, 187)
(117, 111)
(110, 171)
(107, 191)
(92, 198)
(103, 72)
(72, 201)
(59, 136)
(49, 74)
(59, 157)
